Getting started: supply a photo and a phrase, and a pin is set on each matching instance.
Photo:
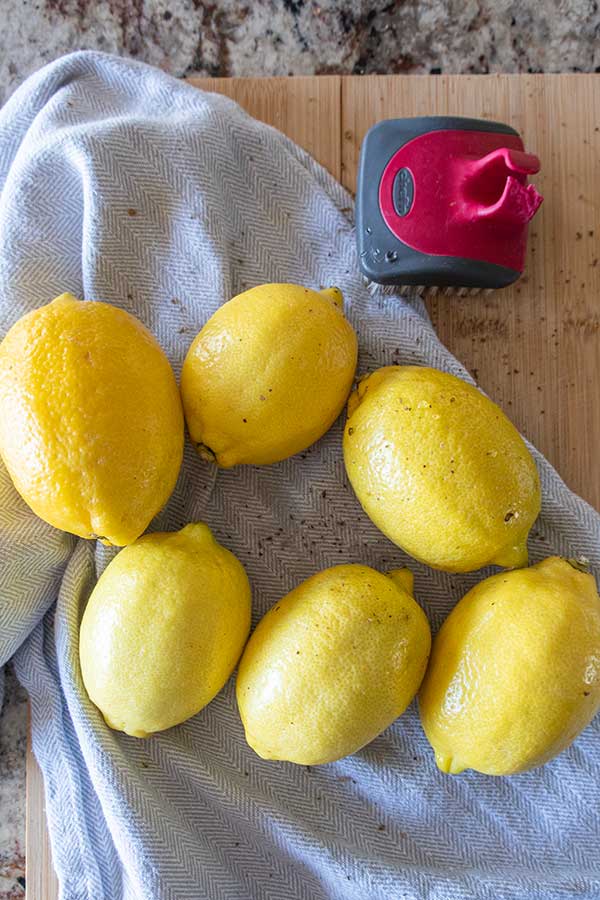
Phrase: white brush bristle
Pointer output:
(423, 290)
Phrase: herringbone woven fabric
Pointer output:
(222, 202)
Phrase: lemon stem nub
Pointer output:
(206, 453)
(403, 578)
(514, 556)
(448, 765)
(580, 563)
(335, 295)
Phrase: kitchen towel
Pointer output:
(121, 184)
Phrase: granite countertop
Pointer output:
(295, 37)
(13, 743)
(228, 37)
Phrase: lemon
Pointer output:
(163, 629)
(515, 670)
(268, 374)
(91, 425)
(440, 469)
(332, 664)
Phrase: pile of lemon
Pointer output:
(92, 433)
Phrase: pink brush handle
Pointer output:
(505, 170)
(470, 196)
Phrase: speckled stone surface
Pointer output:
(13, 743)
(259, 37)
(280, 37)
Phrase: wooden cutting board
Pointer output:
(535, 347)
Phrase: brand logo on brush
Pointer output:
(403, 192)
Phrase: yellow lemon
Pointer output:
(163, 629)
(91, 425)
(440, 469)
(332, 664)
(268, 374)
(515, 670)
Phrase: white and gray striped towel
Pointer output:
(223, 202)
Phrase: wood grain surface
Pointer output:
(40, 879)
(535, 347)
